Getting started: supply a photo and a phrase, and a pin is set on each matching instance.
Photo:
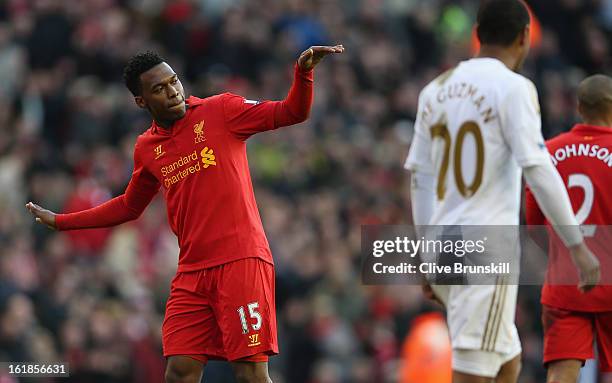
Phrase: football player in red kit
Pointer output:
(573, 320)
(221, 303)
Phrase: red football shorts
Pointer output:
(225, 312)
(570, 335)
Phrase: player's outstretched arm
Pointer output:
(111, 213)
(313, 55)
(245, 117)
(43, 216)
(128, 206)
(296, 107)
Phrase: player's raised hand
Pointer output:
(588, 267)
(44, 216)
(313, 55)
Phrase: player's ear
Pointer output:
(140, 102)
(525, 35)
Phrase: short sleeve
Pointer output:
(419, 156)
(521, 124)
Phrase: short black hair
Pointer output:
(501, 21)
(595, 96)
(136, 66)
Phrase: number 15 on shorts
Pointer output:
(253, 315)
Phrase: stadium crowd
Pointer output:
(95, 299)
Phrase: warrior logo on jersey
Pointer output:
(198, 129)
(159, 151)
(254, 340)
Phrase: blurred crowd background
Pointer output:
(96, 298)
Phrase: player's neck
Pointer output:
(500, 53)
(168, 124)
(598, 122)
(164, 124)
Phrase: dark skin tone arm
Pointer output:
(307, 61)
(43, 216)
(313, 55)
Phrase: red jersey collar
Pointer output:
(191, 103)
(591, 129)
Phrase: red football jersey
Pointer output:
(201, 166)
(583, 157)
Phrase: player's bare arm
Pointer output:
(588, 267)
(43, 216)
(313, 55)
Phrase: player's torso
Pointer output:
(477, 180)
(197, 164)
(583, 158)
(204, 174)
(189, 150)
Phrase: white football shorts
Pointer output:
(481, 324)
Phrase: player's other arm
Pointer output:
(420, 164)
(422, 178)
(245, 117)
(422, 202)
(140, 191)
(521, 126)
(534, 218)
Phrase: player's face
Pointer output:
(162, 94)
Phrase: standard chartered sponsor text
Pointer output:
(180, 174)
(166, 170)
(412, 247)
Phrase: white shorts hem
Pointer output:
(480, 362)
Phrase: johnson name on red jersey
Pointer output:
(583, 157)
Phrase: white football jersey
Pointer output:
(477, 126)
